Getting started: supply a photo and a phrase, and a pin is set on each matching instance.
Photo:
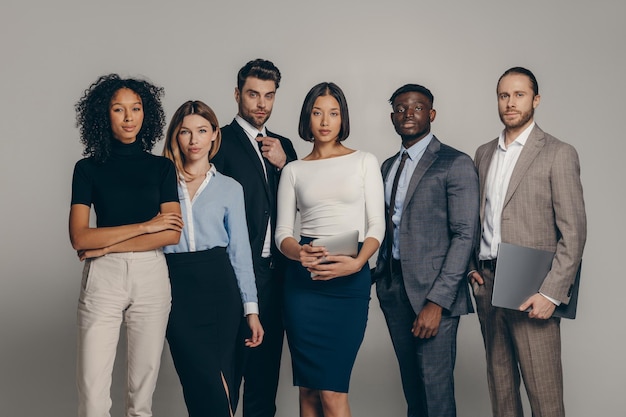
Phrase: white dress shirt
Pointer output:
(498, 177)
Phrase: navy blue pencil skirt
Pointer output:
(325, 324)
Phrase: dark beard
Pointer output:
(250, 119)
(525, 118)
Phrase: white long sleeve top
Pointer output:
(333, 195)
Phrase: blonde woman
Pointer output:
(210, 268)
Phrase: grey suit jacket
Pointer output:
(437, 229)
(543, 206)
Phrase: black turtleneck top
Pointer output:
(128, 188)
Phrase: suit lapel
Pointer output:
(429, 157)
(483, 172)
(534, 144)
(387, 166)
(272, 178)
(251, 153)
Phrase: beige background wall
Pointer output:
(51, 51)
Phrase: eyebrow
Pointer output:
(185, 127)
(412, 103)
(250, 90)
(121, 104)
(512, 92)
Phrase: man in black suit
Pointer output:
(254, 157)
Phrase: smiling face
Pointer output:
(126, 114)
(255, 101)
(325, 119)
(516, 102)
(411, 117)
(195, 138)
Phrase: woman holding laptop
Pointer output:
(336, 190)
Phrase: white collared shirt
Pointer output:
(498, 177)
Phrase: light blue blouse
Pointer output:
(216, 217)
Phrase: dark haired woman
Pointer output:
(210, 268)
(335, 189)
(125, 276)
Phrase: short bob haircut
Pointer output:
(94, 122)
(323, 89)
(260, 68)
(171, 149)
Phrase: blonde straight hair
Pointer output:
(171, 150)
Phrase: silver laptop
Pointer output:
(520, 271)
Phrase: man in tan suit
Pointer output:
(531, 196)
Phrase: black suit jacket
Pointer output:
(238, 159)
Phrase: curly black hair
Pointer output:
(94, 123)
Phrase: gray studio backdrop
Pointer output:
(51, 51)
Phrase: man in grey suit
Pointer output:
(531, 196)
(431, 195)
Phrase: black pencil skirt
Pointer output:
(202, 328)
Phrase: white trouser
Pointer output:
(131, 286)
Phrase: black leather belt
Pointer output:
(488, 264)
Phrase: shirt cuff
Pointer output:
(552, 300)
(250, 308)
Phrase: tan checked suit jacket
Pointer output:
(543, 206)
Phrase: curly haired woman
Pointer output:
(125, 277)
